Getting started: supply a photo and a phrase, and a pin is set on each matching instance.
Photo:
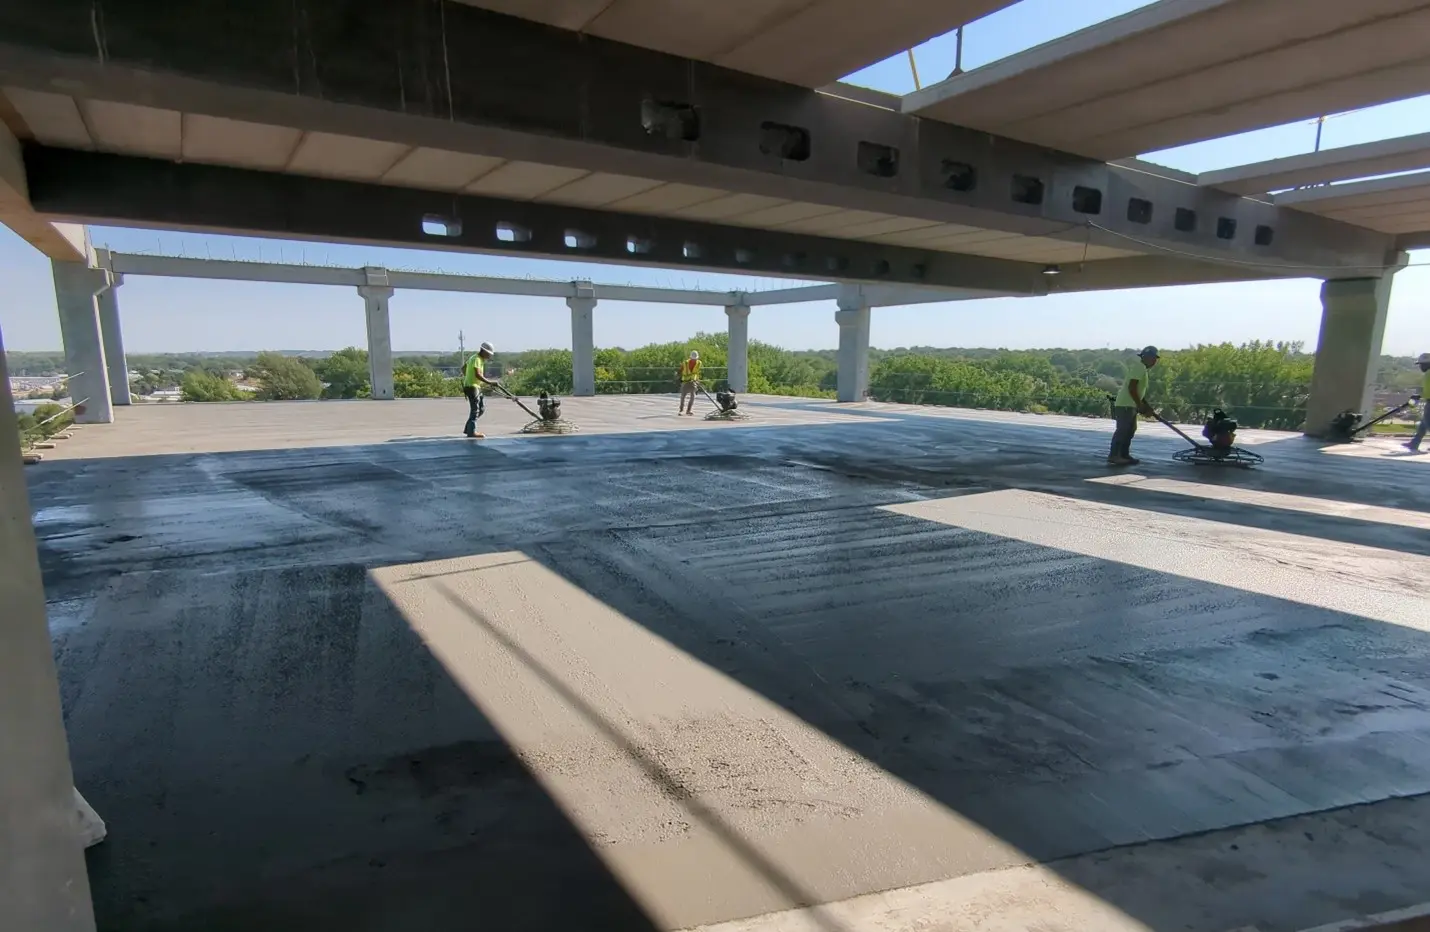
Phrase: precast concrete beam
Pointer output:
(597, 105)
(148, 192)
(65, 242)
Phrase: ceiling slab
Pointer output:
(233, 142)
(328, 155)
(439, 169)
(667, 198)
(733, 205)
(1182, 71)
(1390, 205)
(806, 42)
(524, 180)
(1404, 153)
(133, 130)
(53, 119)
(598, 189)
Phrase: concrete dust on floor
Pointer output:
(850, 667)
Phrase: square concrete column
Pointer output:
(76, 286)
(738, 352)
(379, 338)
(1353, 313)
(43, 884)
(115, 362)
(583, 346)
(853, 320)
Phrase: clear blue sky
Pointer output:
(177, 315)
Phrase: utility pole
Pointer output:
(461, 347)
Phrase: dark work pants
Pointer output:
(476, 404)
(1126, 419)
(1424, 425)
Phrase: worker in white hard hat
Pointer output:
(1414, 444)
(1131, 401)
(689, 380)
(474, 383)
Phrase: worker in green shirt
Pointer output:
(1414, 444)
(474, 380)
(1131, 401)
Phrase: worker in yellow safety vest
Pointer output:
(1131, 401)
(1414, 445)
(689, 380)
(474, 380)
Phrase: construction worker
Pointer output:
(1414, 444)
(1131, 401)
(689, 380)
(474, 382)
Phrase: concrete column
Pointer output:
(853, 320)
(114, 359)
(583, 346)
(76, 286)
(379, 340)
(738, 353)
(1353, 313)
(43, 884)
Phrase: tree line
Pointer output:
(1262, 384)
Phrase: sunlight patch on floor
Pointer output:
(1382, 585)
(1306, 504)
(709, 801)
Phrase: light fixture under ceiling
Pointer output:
(1052, 270)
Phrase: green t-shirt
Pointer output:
(1425, 387)
(470, 370)
(1143, 375)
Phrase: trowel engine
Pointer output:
(725, 401)
(1220, 431)
(549, 407)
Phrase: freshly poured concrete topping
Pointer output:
(858, 668)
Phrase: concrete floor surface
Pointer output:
(836, 667)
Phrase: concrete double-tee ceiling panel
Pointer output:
(1182, 71)
(1398, 205)
(59, 120)
(806, 42)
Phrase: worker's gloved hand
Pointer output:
(1146, 409)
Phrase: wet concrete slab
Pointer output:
(670, 678)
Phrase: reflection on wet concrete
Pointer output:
(945, 604)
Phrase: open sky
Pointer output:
(163, 315)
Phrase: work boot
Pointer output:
(1119, 461)
(1130, 460)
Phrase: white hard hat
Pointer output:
(694, 354)
(1149, 351)
(1424, 359)
(486, 348)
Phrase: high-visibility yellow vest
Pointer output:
(470, 370)
(690, 370)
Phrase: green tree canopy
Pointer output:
(548, 371)
(345, 372)
(414, 380)
(199, 385)
(283, 378)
